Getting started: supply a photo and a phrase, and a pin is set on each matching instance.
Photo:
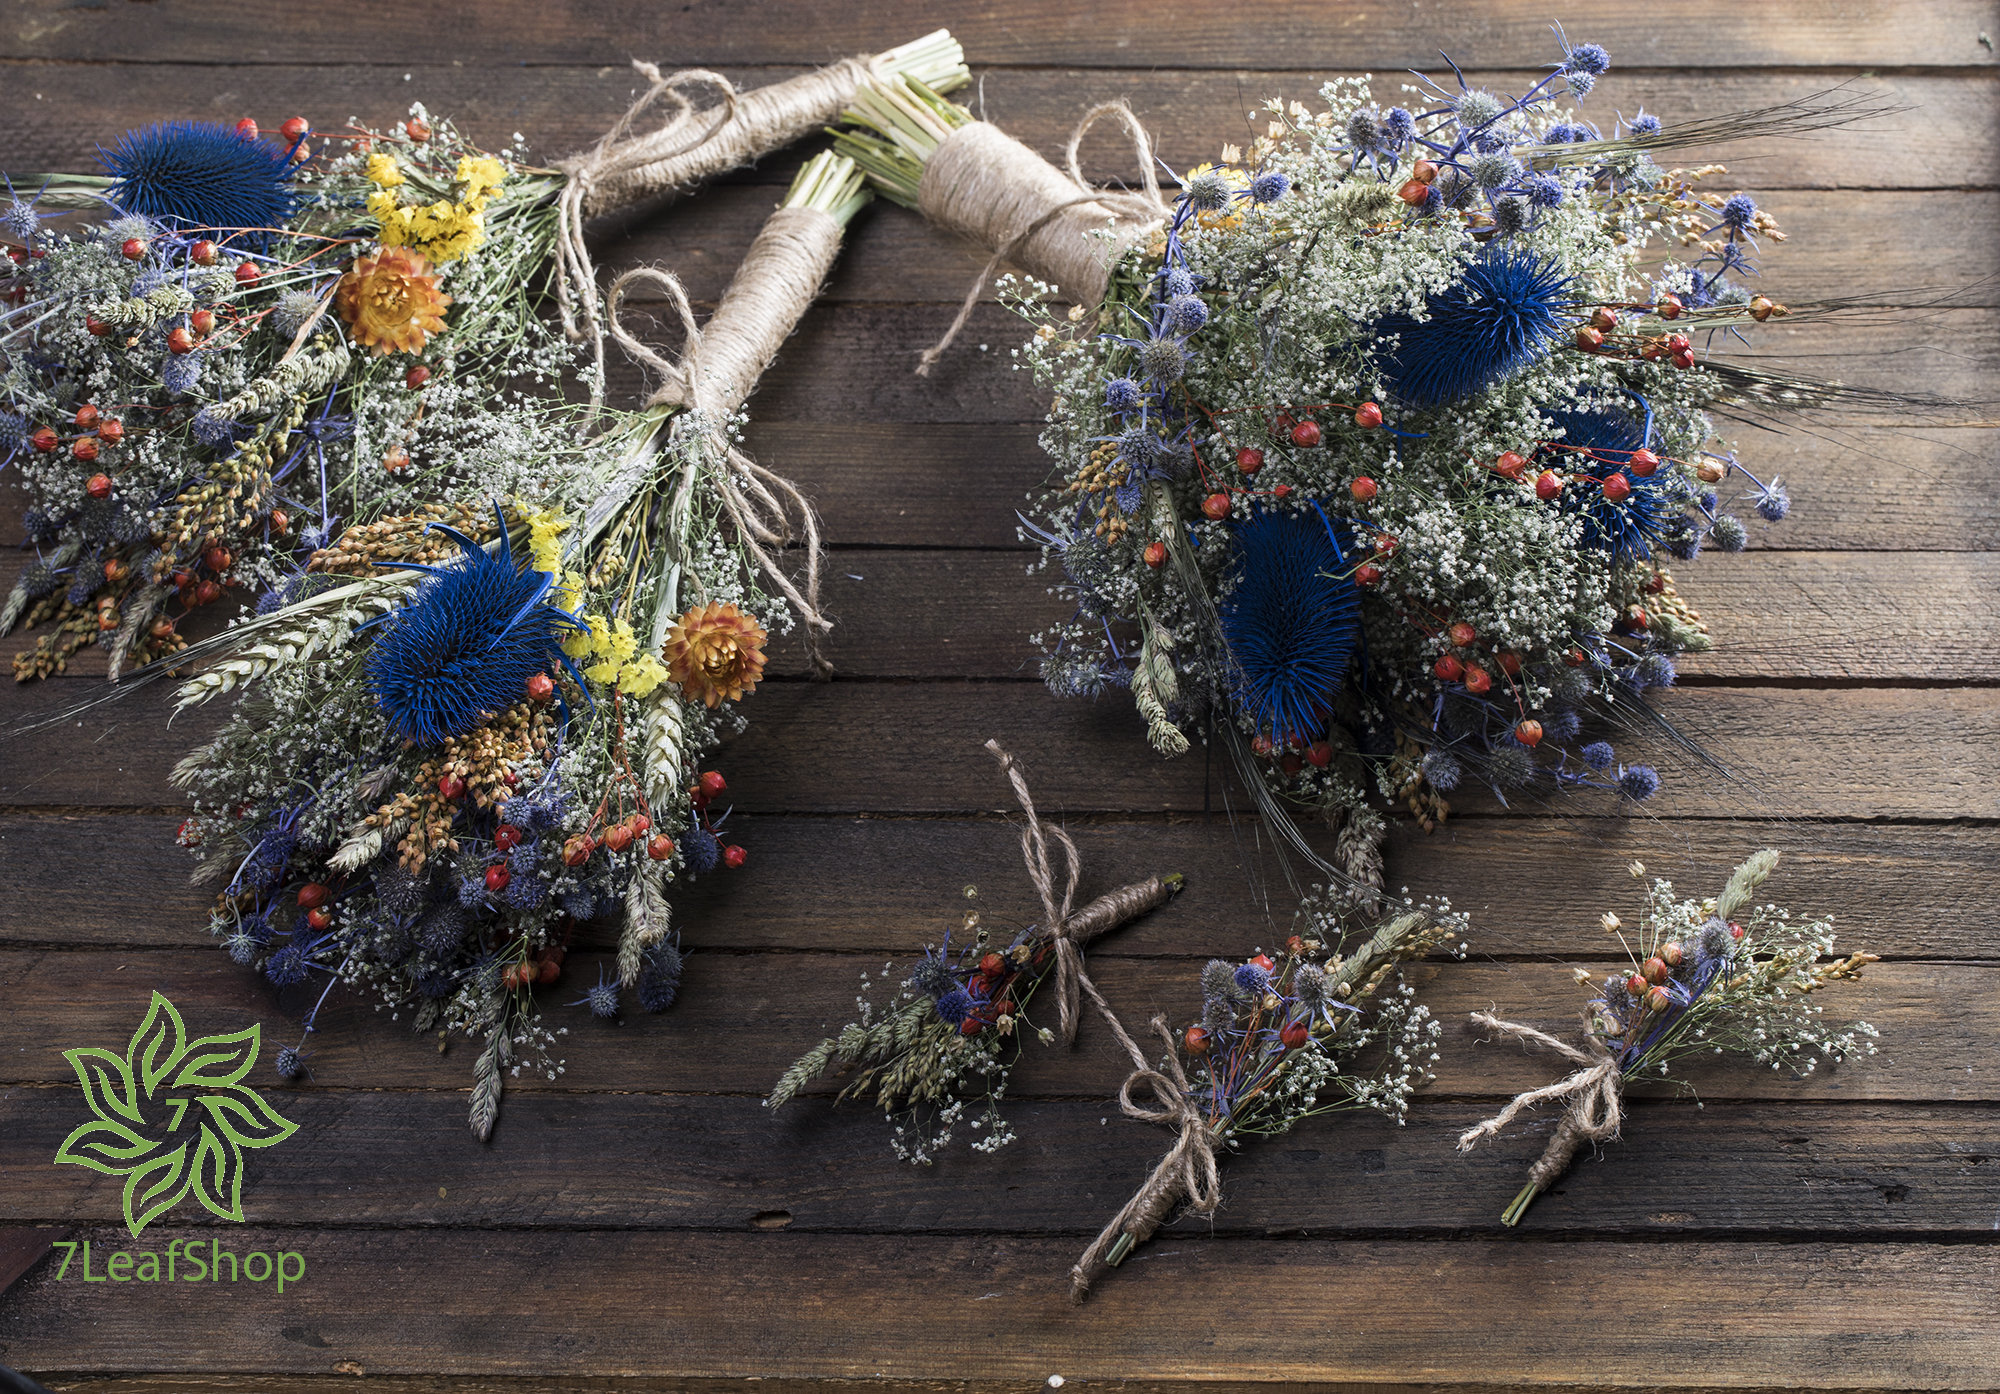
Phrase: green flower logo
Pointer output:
(173, 1116)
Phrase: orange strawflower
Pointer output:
(715, 652)
(391, 300)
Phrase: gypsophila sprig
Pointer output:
(1708, 977)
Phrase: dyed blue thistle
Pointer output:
(1121, 395)
(398, 893)
(39, 579)
(1291, 622)
(1680, 540)
(442, 931)
(526, 892)
(1433, 199)
(700, 850)
(1271, 185)
(1598, 755)
(1595, 445)
(601, 997)
(201, 176)
(659, 977)
(1738, 213)
(1773, 503)
(954, 1007)
(1639, 782)
(1543, 190)
(242, 948)
(1185, 314)
(180, 373)
(472, 890)
(1365, 133)
(1499, 316)
(1588, 58)
(465, 645)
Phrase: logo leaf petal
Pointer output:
(158, 1044)
(217, 1175)
(155, 1188)
(107, 1083)
(245, 1119)
(105, 1145)
(217, 1062)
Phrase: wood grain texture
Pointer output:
(1872, 1316)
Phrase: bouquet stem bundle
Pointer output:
(442, 771)
(1696, 987)
(969, 177)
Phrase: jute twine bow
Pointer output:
(718, 368)
(984, 184)
(1594, 1090)
(1188, 1171)
(691, 142)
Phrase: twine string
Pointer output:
(716, 371)
(1595, 1091)
(1003, 195)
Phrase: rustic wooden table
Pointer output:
(644, 1218)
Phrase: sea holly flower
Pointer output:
(172, 1116)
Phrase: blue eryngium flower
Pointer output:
(201, 176)
(1291, 622)
(1502, 314)
(466, 644)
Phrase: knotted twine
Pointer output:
(1594, 1090)
(718, 369)
(1067, 932)
(692, 142)
(1188, 1171)
(985, 185)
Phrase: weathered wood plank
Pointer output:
(885, 885)
(1945, 140)
(1708, 34)
(743, 1018)
(891, 747)
(647, 1162)
(1855, 1315)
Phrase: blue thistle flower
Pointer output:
(601, 997)
(1729, 533)
(180, 373)
(1588, 58)
(13, 431)
(659, 977)
(442, 931)
(290, 963)
(933, 976)
(1365, 133)
(1509, 766)
(954, 1007)
(1773, 503)
(1442, 770)
(1567, 133)
(1579, 83)
(39, 579)
(1177, 280)
(22, 222)
(1399, 126)
(1498, 317)
(212, 429)
(264, 868)
(1598, 755)
(1680, 540)
(1510, 215)
(526, 892)
(1251, 979)
(1291, 622)
(1185, 314)
(1163, 360)
(290, 1063)
(398, 893)
(1121, 395)
(1639, 782)
(1544, 190)
(1643, 126)
(1739, 211)
(1494, 171)
(1208, 191)
(1477, 108)
(435, 985)
(1270, 186)
(465, 645)
(1597, 443)
(1656, 670)
(1218, 979)
(201, 176)
(1561, 726)
(242, 947)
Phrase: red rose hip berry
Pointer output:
(1363, 489)
(1215, 507)
(1368, 416)
(734, 857)
(1306, 434)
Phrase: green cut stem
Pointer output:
(892, 128)
(936, 60)
(831, 183)
(1511, 1216)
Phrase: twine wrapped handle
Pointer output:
(980, 182)
(1595, 1091)
(715, 372)
(1188, 1171)
(1068, 932)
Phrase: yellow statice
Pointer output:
(609, 651)
(444, 229)
(641, 675)
(481, 177)
(545, 529)
(382, 170)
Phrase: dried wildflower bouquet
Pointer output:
(1378, 476)
(1700, 982)
(475, 728)
(264, 338)
(1325, 1025)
